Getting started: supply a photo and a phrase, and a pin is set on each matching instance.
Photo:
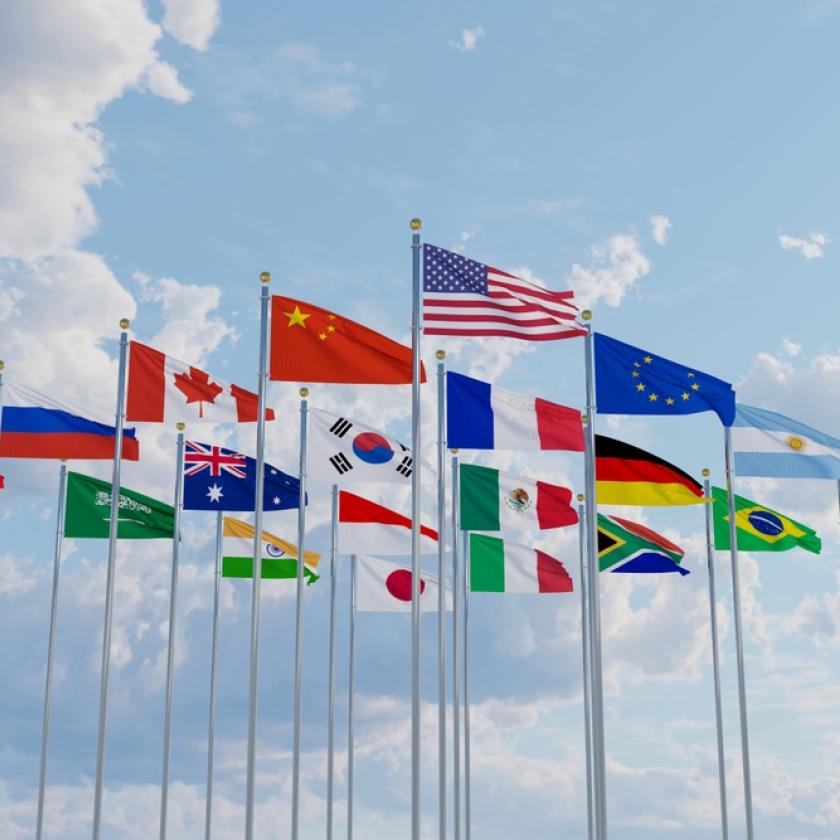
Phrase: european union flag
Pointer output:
(629, 380)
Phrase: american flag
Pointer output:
(465, 297)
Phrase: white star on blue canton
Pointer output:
(214, 493)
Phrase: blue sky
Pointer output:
(673, 164)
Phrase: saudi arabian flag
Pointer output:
(499, 566)
(88, 512)
(494, 501)
(759, 527)
(279, 558)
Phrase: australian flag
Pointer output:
(222, 479)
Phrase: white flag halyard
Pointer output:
(382, 586)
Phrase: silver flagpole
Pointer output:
(710, 558)
(739, 633)
(331, 688)
(598, 740)
(351, 694)
(265, 279)
(584, 633)
(441, 502)
(170, 653)
(109, 585)
(456, 654)
(45, 732)
(416, 224)
(304, 414)
(214, 662)
(465, 555)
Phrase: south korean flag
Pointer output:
(345, 452)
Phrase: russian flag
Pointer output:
(36, 426)
(483, 416)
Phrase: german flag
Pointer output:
(627, 475)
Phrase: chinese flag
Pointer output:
(310, 344)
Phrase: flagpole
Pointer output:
(265, 279)
(351, 698)
(304, 414)
(45, 731)
(584, 632)
(441, 503)
(109, 584)
(739, 635)
(456, 655)
(214, 662)
(467, 792)
(416, 225)
(331, 688)
(598, 740)
(710, 558)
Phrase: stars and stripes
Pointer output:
(199, 457)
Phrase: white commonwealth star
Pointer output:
(214, 492)
(276, 500)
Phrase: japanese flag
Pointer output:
(382, 586)
(164, 390)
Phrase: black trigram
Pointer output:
(341, 427)
(341, 463)
(404, 467)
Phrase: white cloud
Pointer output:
(810, 248)
(469, 39)
(192, 22)
(162, 80)
(615, 268)
(791, 347)
(660, 229)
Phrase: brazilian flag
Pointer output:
(759, 527)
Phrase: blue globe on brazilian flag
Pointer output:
(759, 527)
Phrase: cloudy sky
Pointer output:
(674, 164)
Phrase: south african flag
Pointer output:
(625, 546)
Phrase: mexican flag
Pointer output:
(279, 558)
(493, 501)
(499, 566)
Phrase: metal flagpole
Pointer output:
(739, 634)
(265, 279)
(45, 732)
(331, 688)
(456, 655)
(598, 741)
(170, 653)
(304, 414)
(351, 698)
(214, 661)
(710, 557)
(584, 632)
(465, 555)
(416, 224)
(441, 503)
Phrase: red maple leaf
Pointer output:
(197, 387)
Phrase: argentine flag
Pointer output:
(771, 445)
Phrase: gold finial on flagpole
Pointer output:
(124, 323)
(706, 472)
(454, 451)
(584, 419)
(580, 497)
(180, 425)
(2, 365)
(586, 314)
(440, 355)
(304, 393)
(265, 277)
(415, 224)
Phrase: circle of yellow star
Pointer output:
(669, 401)
(647, 360)
(634, 374)
(297, 317)
(685, 395)
(640, 386)
(653, 397)
(695, 386)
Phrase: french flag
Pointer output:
(483, 416)
(36, 426)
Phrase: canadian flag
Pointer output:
(366, 526)
(163, 390)
(382, 586)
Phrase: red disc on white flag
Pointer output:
(399, 584)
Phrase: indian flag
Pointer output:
(499, 566)
(279, 558)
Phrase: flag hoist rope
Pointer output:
(441, 507)
(331, 676)
(586, 666)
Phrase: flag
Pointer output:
(34, 425)
(491, 500)
(279, 558)
(163, 389)
(759, 528)
(311, 344)
(625, 546)
(2, 482)
(499, 566)
(627, 475)
(342, 450)
(223, 479)
(88, 512)
(465, 297)
(484, 416)
(382, 586)
(367, 526)
(774, 446)
(629, 380)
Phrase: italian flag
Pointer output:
(493, 501)
(499, 566)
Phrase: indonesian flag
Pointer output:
(382, 586)
(163, 390)
(365, 526)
